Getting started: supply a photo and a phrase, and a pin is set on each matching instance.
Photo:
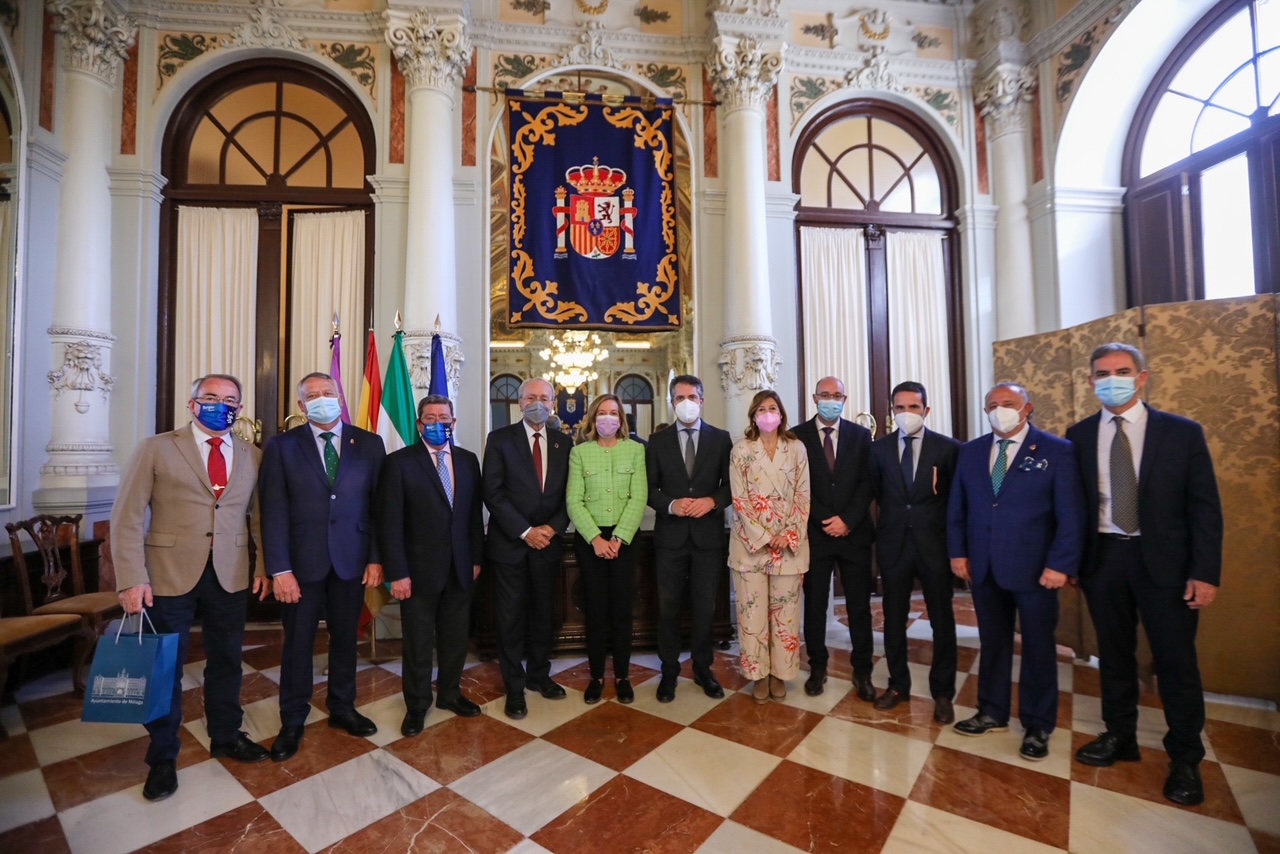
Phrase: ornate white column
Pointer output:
(80, 473)
(744, 70)
(433, 51)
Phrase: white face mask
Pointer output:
(1005, 419)
(688, 410)
(908, 422)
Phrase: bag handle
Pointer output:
(145, 615)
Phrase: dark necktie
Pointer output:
(537, 457)
(330, 457)
(1124, 483)
(689, 451)
(442, 469)
(908, 462)
(1001, 467)
(829, 449)
(217, 466)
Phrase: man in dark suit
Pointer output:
(1015, 531)
(1154, 550)
(912, 469)
(317, 487)
(526, 469)
(688, 467)
(430, 536)
(840, 535)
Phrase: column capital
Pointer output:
(433, 51)
(1003, 95)
(743, 70)
(748, 364)
(98, 34)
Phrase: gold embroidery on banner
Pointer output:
(652, 298)
(541, 296)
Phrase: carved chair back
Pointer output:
(50, 534)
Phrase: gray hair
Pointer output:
(524, 386)
(195, 386)
(1139, 361)
(434, 398)
(316, 375)
(1012, 386)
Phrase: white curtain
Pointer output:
(327, 277)
(215, 318)
(834, 275)
(918, 319)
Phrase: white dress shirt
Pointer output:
(202, 444)
(822, 434)
(915, 449)
(1135, 428)
(316, 430)
(1011, 450)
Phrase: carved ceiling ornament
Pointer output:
(98, 36)
(874, 74)
(748, 363)
(430, 51)
(590, 50)
(743, 73)
(263, 30)
(762, 8)
(1003, 96)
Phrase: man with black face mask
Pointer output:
(526, 469)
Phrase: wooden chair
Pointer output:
(20, 635)
(96, 609)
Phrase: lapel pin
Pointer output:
(1033, 447)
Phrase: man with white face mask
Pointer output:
(1015, 532)
(912, 469)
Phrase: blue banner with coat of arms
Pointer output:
(593, 214)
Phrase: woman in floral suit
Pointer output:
(769, 548)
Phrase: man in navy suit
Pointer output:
(431, 535)
(526, 469)
(1015, 531)
(912, 469)
(317, 487)
(1153, 549)
(840, 535)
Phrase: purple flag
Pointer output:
(335, 371)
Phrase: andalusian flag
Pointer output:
(397, 422)
(370, 389)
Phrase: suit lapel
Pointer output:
(185, 443)
(926, 453)
(704, 444)
(310, 450)
(427, 461)
(1150, 444)
(1087, 452)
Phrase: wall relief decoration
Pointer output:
(82, 372)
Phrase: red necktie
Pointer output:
(537, 458)
(217, 466)
(829, 449)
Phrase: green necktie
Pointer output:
(1001, 467)
(330, 457)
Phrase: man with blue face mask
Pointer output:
(1153, 551)
(317, 486)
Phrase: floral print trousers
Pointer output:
(768, 623)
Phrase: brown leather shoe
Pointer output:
(891, 698)
(760, 691)
(943, 711)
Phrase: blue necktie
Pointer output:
(442, 468)
(1001, 467)
(908, 462)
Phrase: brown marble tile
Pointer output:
(440, 823)
(482, 683)
(613, 735)
(263, 657)
(627, 815)
(249, 829)
(322, 748)
(44, 836)
(1266, 842)
(129, 102)
(772, 727)
(710, 130)
(1145, 780)
(772, 153)
(17, 755)
(921, 652)
(1088, 681)
(102, 772)
(454, 748)
(814, 811)
(1245, 746)
(913, 719)
(724, 667)
(48, 70)
(395, 152)
(838, 664)
(388, 650)
(579, 676)
(469, 115)
(372, 684)
(264, 635)
(1004, 796)
(968, 696)
(48, 711)
(253, 687)
(962, 607)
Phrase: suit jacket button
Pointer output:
(333, 498)
(216, 506)
(208, 533)
(610, 489)
(908, 506)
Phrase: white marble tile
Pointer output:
(1066, 672)
(192, 675)
(24, 798)
(532, 785)
(1004, 746)
(1242, 711)
(563, 663)
(75, 738)
(396, 666)
(881, 760)
(919, 678)
(544, 715)
(649, 660)
(833, 692)
(261, 722)
(12, 720)
(1257, 795)
(1104, 822)
(388, 714)
(333, 804)
(925, 830)
(527, 846)
(705, 770)
(689, 705)
(1086, 717)
(733, 838)
(49, 685)
(125, 821)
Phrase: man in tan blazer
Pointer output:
(192, 560)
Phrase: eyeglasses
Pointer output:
(213, 398)
(529, 398)
(432, 419)
(823, 395)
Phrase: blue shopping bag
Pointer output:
(131, 680)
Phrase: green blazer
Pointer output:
(607, 486)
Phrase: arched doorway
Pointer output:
(878, 257)
(266, 162)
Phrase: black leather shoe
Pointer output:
(241, 750)
(594, 692)
(515, 708)
(709, 685)
(286, 743)
(354, 723)
(865, 690)
(549, 689)
(817, 678)
(1035, 745)
(943, 711)
(162, 781)
(462, 707)
(981, 724)
(667, 689)
(891, 698)
(626, 695)
(1184, 785)
(414, 721)
(1108, 749)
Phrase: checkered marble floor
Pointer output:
(826, 773)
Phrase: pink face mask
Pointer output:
(768, 422)
(607, 426)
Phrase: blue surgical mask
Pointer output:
(216, 416)
(829, 410)
(537, 413)
(324, 410)
(1115, 391)
(436, 435)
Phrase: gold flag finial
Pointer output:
(399, 321)
(437, 329)
(335, 323)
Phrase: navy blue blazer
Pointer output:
(515, 500)
(420, 536)
(1037, 522)
(669, 480)
(1179, 512)
(308, 526)
(917, 510)
(846, 492)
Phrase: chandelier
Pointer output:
(571, 356)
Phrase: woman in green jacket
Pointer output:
(608, 488)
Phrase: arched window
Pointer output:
(636, 394)
(877, 252)
(504, 400)
(1202, 163)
